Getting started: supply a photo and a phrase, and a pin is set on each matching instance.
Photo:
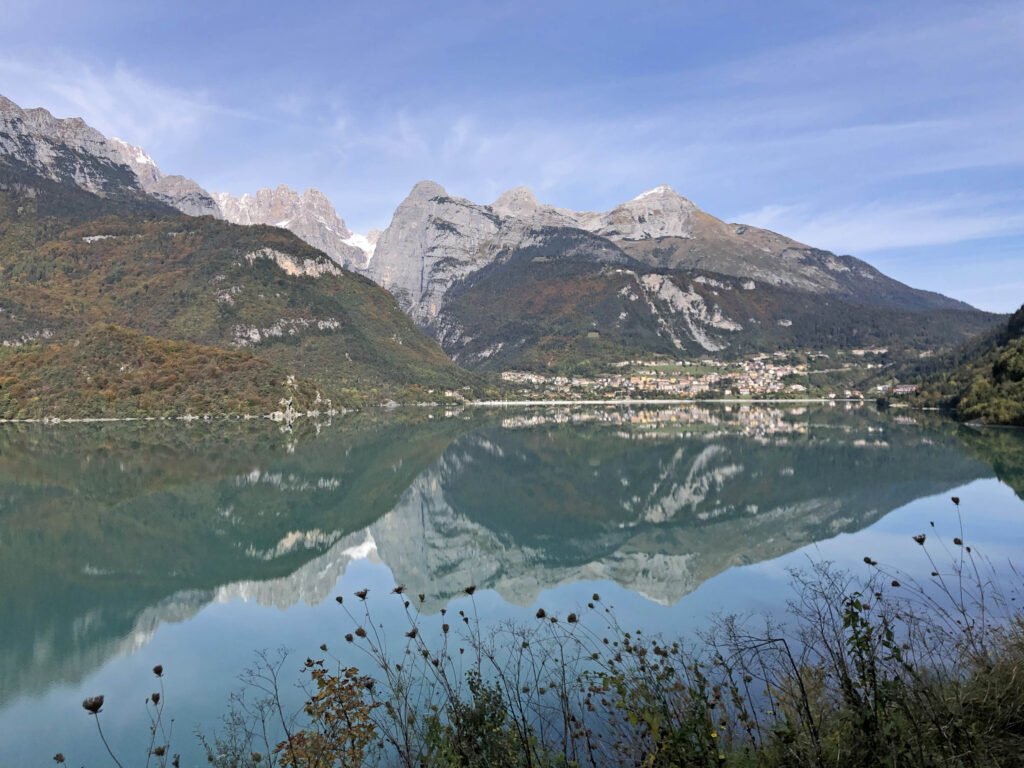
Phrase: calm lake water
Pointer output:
(193, 546)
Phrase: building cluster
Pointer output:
(757, 376)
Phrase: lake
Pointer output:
(125, 545)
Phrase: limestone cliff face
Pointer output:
(309, 215)
(177, 191)
(63, 150)
(435, 240)
(494, 282)
(71, 151)
(658, 212)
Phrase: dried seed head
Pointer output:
(445, 628)
(572, 618)
(412, 632)
(59, 757)
(895, 583)
(348, 637)
(958, 541)
(541, 613)
(920, 539)
(596, 598)
(360, 632)
(398, 590)
(361, 594)
(158, 670)
(93, 704)
(323, 646)
(155, 697)
(340, 599)
(956, 500)
(470, 589)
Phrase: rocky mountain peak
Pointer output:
(519, 202)
(658, 212)
(177, 191)
(663, 190)
(426, 190)
(70, 150)
(310, 215)
(65, 150)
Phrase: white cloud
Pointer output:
(876, 226)
(115, 100)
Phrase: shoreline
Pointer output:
(275, 417)
(662, 401)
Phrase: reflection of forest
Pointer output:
(108, 530)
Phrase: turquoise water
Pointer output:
(193, 546)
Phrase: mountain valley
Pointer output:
(93, 232)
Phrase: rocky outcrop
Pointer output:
(70, 151)
(67, 151)
(309, 215)
(177, 191)
(435, 240)
(492, 283)
(658, 212)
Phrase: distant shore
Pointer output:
(666, 401)
(468, 403)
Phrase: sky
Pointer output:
(893, 131)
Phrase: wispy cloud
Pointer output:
(868, 227)
(115, 100)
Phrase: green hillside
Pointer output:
(70, 260)
(553, 305)
(112, 371)
(987, 383)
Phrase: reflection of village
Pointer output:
(756, 422)
(757, 376)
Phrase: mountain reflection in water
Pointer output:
(108, 531)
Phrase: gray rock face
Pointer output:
(72, 152)
(309, 215)
(67, 151)
(658, 212)
(177, 191)
(435, 240)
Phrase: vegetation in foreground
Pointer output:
(888, 670)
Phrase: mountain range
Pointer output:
(89, 222)
(84, 244)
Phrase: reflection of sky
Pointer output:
(204, 655)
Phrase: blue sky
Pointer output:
(890, 130)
